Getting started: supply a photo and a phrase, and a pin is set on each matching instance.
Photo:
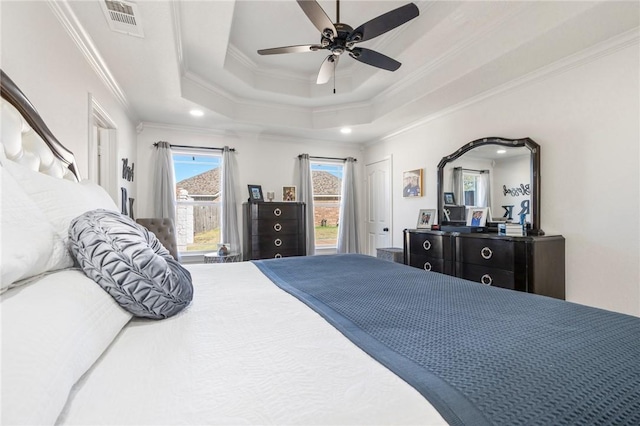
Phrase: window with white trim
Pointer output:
(198, 197)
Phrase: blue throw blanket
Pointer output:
(480, 355)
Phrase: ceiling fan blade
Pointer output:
(384, 23)
(327, 69)
(290, 49)
(318, 17)
(373, 58)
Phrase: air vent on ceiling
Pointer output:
(123, 17)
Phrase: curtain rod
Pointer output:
(327, 158)
(471, 170)
(196, 147)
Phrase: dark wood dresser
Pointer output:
(530, 264)
(273, 230)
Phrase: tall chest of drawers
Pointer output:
(273, 230)
(530, 264)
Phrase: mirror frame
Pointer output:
(535, 174)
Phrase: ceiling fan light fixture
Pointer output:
(339, 38)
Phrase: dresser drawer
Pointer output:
(493, 253)
(279, 211)
(274, 253)
(428, 263)
(430, 245)
(275, 227)
(488, 276)
(279, 242)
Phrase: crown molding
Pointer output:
(186, 129)
(83, 41)
(576, 60)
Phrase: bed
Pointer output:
(343, 339)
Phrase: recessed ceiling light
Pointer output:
(501, 151)
(345, 130)
(196, 112)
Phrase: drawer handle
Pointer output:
(278, 242)
(426, 245)
(277, 212)
(427, 266)
(486, 253)
(278, 256)
(277, 227)
(486, 279)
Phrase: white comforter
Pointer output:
(244, 352)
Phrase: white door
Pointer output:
(378, 219)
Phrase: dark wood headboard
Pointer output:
(13, 95)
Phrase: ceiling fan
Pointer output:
(339, 38)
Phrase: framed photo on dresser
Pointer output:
(426, 218)
(255, 194)
(289, 193)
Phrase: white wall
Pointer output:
(43, 60)
(586, 121)
(267, 161)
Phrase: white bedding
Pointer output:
(244, 352)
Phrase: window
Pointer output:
(470, 186)
(198, 193)
(327, 187)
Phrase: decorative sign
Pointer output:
(127, 171)
(518, 191)
(525, 209)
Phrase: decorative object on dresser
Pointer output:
(274, 229)
(255, 193)
(426, 218)
(477, 216)
(449, 198)
(289, 193)
(533, 264)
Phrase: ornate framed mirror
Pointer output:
(502, 174)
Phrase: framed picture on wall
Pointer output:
(426, 218)
(289, 193)
(255, 193)
(477, 216)
(450, 198)
(412, 183)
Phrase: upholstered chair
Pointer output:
(165, 230)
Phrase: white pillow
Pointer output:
(53, 331)
(29, 244)
(61, 201)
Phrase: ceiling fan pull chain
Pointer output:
(334, 77)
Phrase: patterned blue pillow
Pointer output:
(130, 264)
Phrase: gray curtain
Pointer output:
(229, 232)
(305, 193)
(164, 190)
(484, 189)
(458, 191)
(348, 224)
